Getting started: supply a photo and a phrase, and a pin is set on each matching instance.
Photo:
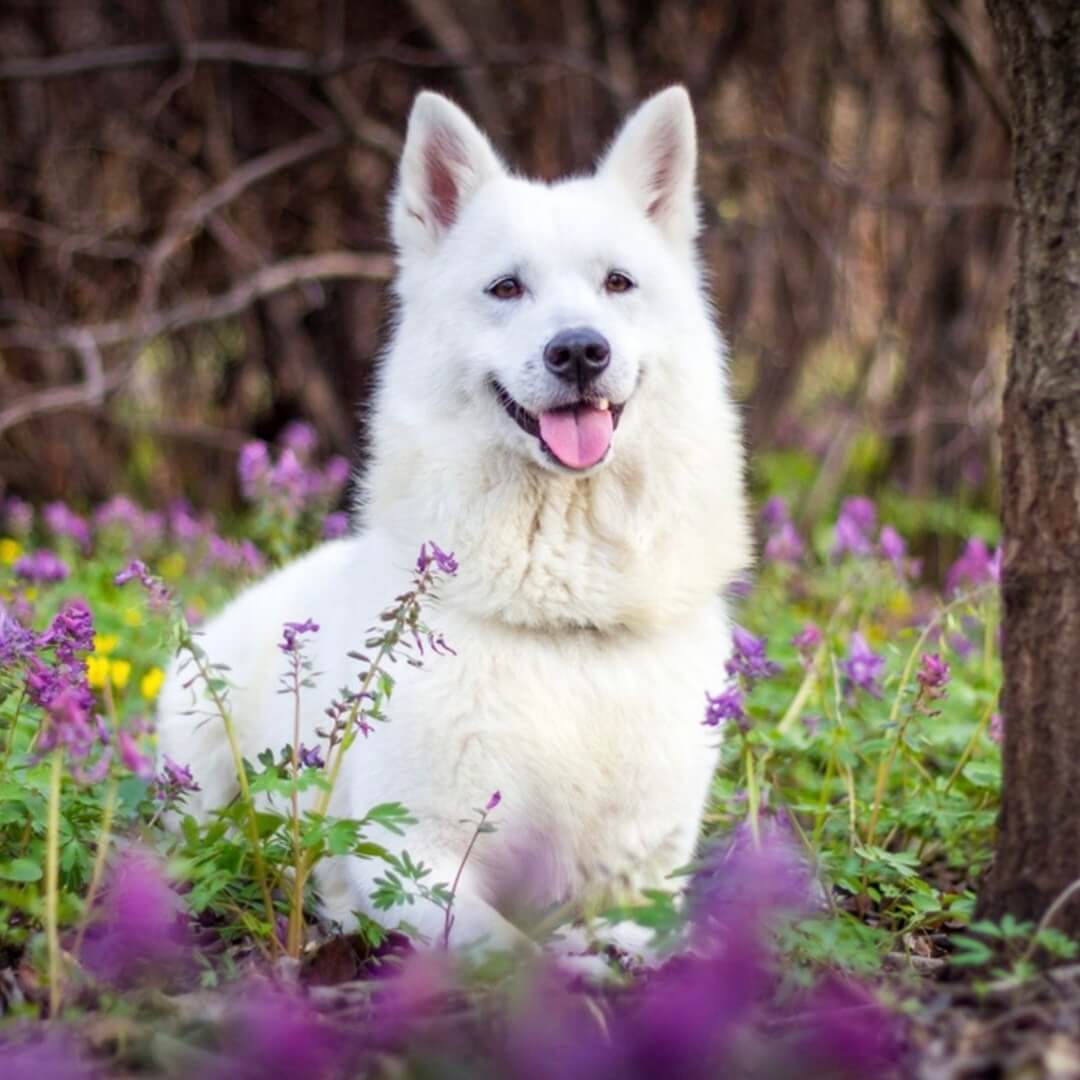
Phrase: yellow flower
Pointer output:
(97, 671)
(120, 670)
(132, 616)
(900, 604)
(31, 594)
(150, 683)
(105, 644)
(10, 550)
(173, 566)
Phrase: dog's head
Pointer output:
(542, 317)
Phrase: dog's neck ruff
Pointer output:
(546, 551)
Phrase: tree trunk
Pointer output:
(1038, 850)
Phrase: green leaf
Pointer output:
(21, 870)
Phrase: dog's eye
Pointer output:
(507, 288)
(618, 282)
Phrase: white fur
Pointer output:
(587, 614)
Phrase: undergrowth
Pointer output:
(860, 733)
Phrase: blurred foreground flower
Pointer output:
(271, 1034)
(713, 1012)
(56, 1055)
(141, 933)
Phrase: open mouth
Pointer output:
(577, 436)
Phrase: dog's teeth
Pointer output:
(603, 404)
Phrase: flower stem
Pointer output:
(245, 791)
(52, 882)
(295, 937)
(752, 795)
(335, 760)
(108, 811)
(448, 915)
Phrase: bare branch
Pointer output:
(89, 393)
(88, 340)
(67, 243)
(195, 214)
(448, 32)
(296, 61)
(363, 129)
(89, 60)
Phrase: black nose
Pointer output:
(577, 356)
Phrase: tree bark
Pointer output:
(1038, 847)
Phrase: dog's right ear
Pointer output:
(445, 161)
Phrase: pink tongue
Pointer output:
(578, 437)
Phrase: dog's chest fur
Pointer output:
(595, 742)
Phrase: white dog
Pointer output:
(554, 410)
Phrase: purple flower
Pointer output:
(293, 630)
(41, 567)
(861, 511)
(137, 570)
(738, 589)
(131, 757)
(174, 781)
(997, 728)
(892, 546)
(16, 641)
(179, 775)
(18, 516)
(68, 724)
(289, 479)
(183, 524)
(933, 675)
(727, 705)
(807, 640)
(274, 1036)
(845, 1032)
(976, 566)
(335, 476)
(774, 514)
(785, 545)
(748, 658)
(64, 523)
(335, 525)
(251, 557)
(496, 798)
(863, 667)
(299, 437)
(444, 562)
(962, 645)
(311, 757)
(253, 468)
(120, 510)
(54, 1055)
(70, 632)
(142, 931)
(854, 524)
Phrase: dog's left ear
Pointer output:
(654, 157)
(445, 161)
